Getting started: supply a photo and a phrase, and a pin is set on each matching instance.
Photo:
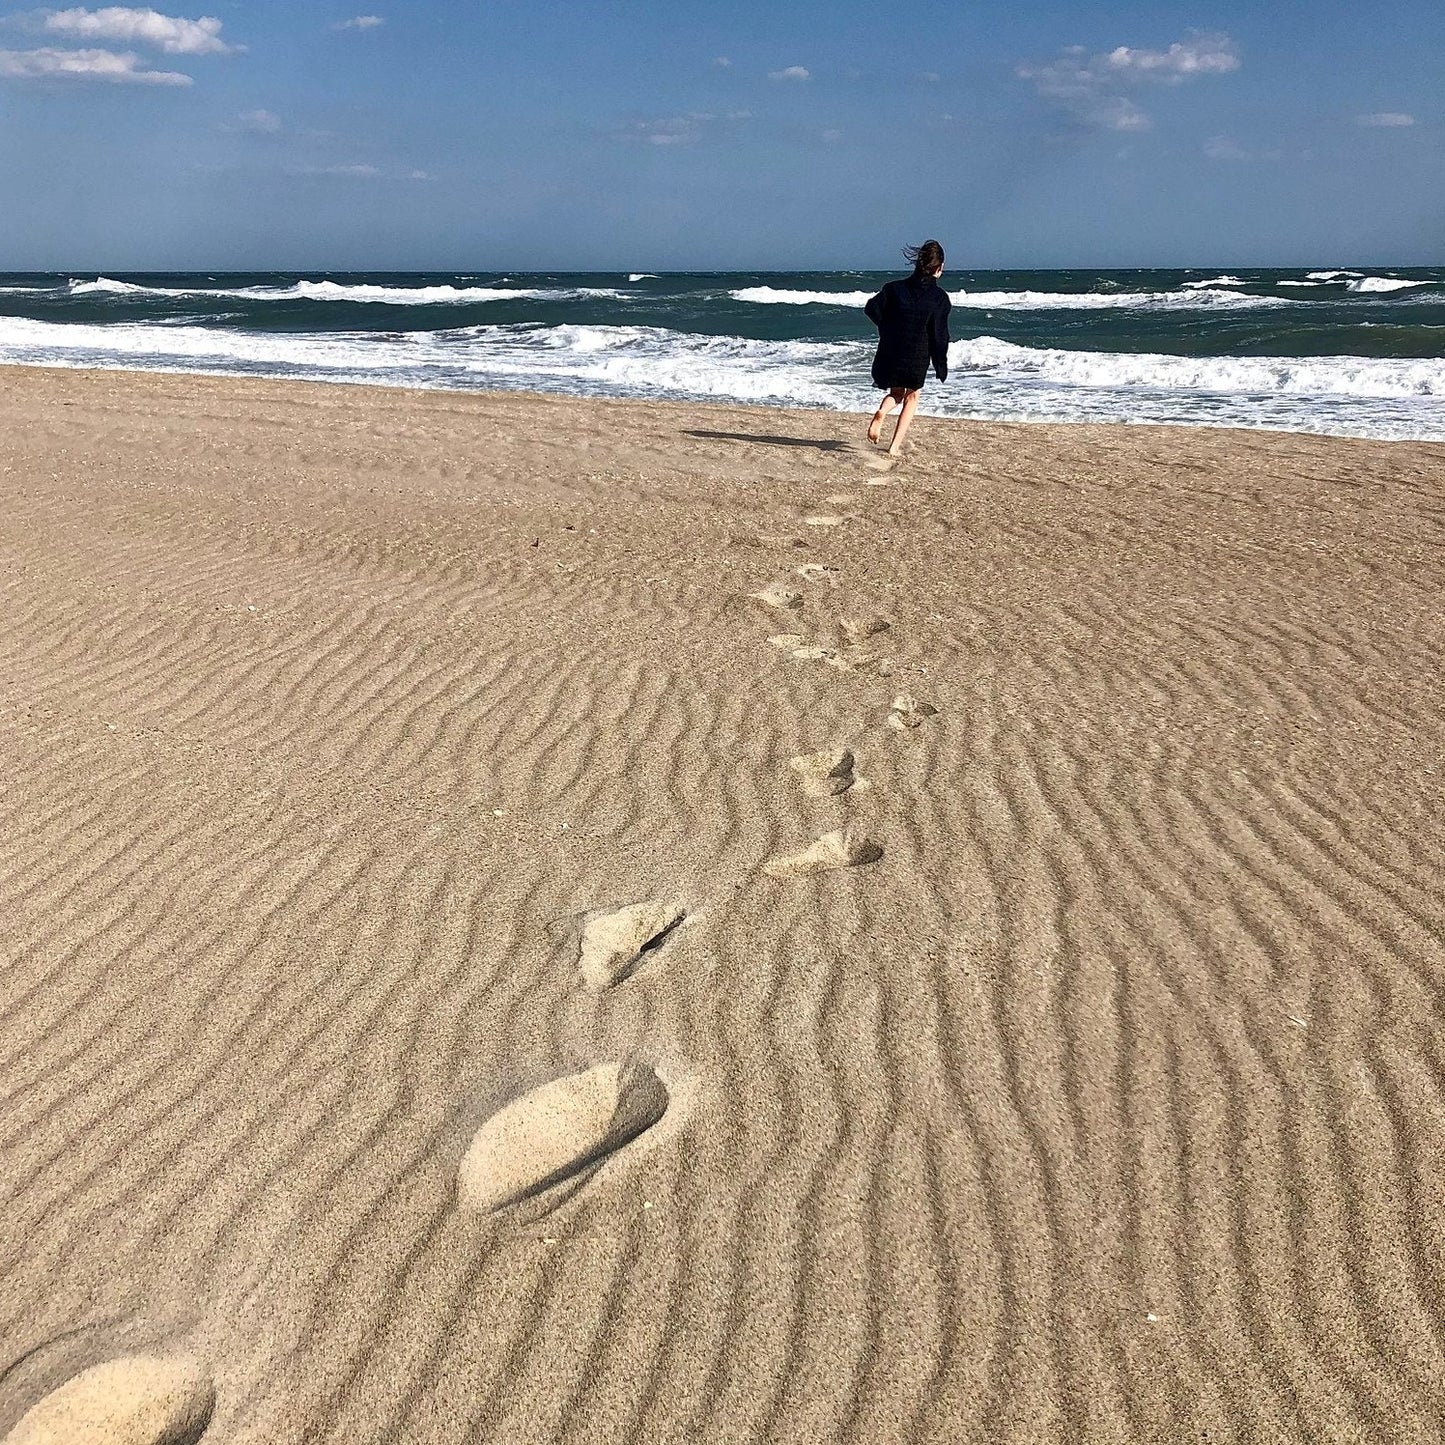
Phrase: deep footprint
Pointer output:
(841, 849)
(557, 1131)
(825, 774)
(133, 1400)
(614, 944)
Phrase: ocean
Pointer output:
(1341, 351)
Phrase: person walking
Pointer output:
(912, 320)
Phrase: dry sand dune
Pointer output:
(1105, 1105)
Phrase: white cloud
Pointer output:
(793, 72)
(1088, 86)
(1386, 118)
(107, 65)
(832, 135)
(140, 27)
(360, 22)
(258, 122)
(722, 62)
(932, 77)
(1206, 54)
(1224, 148)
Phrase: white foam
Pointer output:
(337, 291)
(643, 276)
(990, 378)
(1301, 376)
(1215, 281)
(1381, 283)
(1209, 298)
(104, 284)
(1032, 300)
(773, 296)
(1329, 275)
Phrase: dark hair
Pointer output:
(926, 258)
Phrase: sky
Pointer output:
(475, 135)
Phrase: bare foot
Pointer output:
(875, 430)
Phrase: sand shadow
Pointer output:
(831, 444)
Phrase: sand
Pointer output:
(1104, 1105)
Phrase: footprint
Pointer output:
(813, 571)
(814, 652)
(556, 1132)
(780, 597)
(841, 499)
(825, 774)
(823, 519)
(860, 629)
(841, 849)
(788, 640)
(133, 1400)
(908, 712)
(614, 944)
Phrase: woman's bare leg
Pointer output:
(910, 405)
(890, 400)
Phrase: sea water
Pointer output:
(1347, 351)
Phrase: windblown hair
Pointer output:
(926, 258)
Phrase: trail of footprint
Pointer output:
(844, 848)
(556, 1132)
(615, 943)
(133, 1400)
(825, 774)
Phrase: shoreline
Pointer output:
(731, 405)
(532, 917)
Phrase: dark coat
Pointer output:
(912, 320)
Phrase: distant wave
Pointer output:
(337, 291)
(1381, 283)
(1031, 300)
(643, 276)
(773, 296)
(1115, 300)
(1312, 376)
(1215, 281)
(1330, 275)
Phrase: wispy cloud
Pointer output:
(118, 68)
(1385, 119)
(674, 130)
(791, 72)
(169, 33)
(1224, 148)
(722, 62)
(256, 122)
(360, 22)
(1089, 87)
(359, 171)
(831, 136)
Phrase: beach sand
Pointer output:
(1083, 1083)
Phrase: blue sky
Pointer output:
(583, 134)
